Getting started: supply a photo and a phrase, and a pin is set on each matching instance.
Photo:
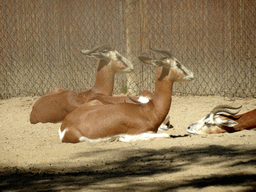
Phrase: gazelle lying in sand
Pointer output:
(127, 121)
(221, 119)
(56, 104)
(145, 97)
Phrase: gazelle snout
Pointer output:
(190, 76)
(195, 127)
(187, 74)
(125, 65)
(191, 130)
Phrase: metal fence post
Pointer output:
(130, 20)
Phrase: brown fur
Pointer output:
(123, 118)
(55, 105)
(245, 121)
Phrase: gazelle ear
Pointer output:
(228, 123)
(149, 61)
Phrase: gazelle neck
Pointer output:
(163, 91)
(104, 82)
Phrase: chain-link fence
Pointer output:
(41, 42)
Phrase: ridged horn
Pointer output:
(99, 48)
(225, 109)
(164, 52)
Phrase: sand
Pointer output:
(34, 159)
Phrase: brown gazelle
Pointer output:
(56, 104)
(221, 119)
(127, 121)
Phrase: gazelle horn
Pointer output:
(166, 53)
(100, 48)
(225, 109)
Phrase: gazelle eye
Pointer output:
(206, 123)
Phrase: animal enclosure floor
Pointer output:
(33, 158)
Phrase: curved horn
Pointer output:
(166, 53)
(103, 47)
(100, 48)
(225, 108)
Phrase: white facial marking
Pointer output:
(211, 124)
(112, 55)
(169, 61)
(203, 124)
(218, 120)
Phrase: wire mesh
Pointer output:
(41, 43)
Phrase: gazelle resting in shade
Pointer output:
(56, 104)
(221, 119)
(127, 121)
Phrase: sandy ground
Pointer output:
(33, 158)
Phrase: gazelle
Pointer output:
(56, 104)
(143, 98)
(127, 121)
(221, 119)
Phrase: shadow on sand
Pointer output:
(121, 175)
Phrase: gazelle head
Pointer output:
(177, 71)
(108, 56)
(215, 122)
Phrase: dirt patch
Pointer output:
(33, 158)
